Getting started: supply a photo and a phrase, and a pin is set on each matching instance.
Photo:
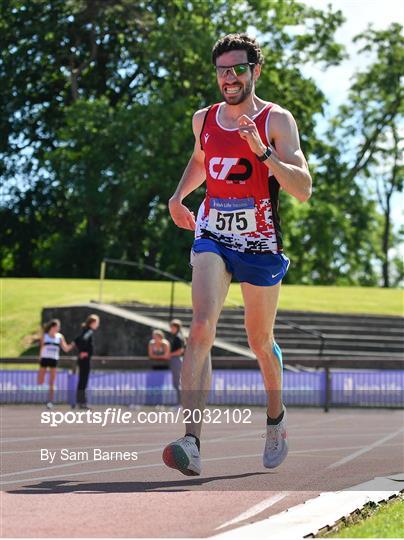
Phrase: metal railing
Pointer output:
(315, 333)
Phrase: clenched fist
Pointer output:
(181, 215)
(248, 131)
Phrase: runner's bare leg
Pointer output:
(260, 311)
(41, 375)
(210, 284)
(52, 378)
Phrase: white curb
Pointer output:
(313, 515)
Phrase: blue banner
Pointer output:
(229, 387)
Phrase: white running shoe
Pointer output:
(184, 456)
(276, 445)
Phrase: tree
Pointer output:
(370, 125)
(95, 115)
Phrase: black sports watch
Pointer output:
(265, 155)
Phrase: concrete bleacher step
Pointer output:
(349, 341)
(307, 320)
(282, 332)
(342, 347)
(345, 334)
(338, 330)
(290, 315)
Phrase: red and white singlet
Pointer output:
(240, 209)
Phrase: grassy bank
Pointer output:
(22, 300)
(386, 521)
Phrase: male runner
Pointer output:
(246, 149)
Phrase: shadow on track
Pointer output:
(73, 486)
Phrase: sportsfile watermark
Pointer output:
(115, 415)
(327, 452)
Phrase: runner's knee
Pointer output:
(260, 342)
(202, 330)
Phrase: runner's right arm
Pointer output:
(194, 176)
(67, 348)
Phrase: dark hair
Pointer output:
(50, 324)
(177, 323)
(238, 42)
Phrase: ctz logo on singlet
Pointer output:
(219, 169)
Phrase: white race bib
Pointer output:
(50, 351)
(232, 216)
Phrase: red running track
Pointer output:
(84, 497)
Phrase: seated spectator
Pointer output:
(159, 349)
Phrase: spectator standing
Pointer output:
(177, 343)
(85, 346)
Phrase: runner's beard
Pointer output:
(236, 100)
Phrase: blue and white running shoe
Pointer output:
(276, 445)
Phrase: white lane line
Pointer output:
(82, 434)
(77, 474)
(365, 449)
(151, 465)
(158, 449)
(65, 465)
(334, 449)
(36, 450)
(140, 428)
(116, 469)
(121, 445)
(255, 510)
(246, 437)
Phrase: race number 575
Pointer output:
(228, 221)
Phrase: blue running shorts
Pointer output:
(262, 269)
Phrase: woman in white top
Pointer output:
(50, 344)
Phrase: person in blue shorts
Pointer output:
(247, 150)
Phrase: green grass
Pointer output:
(385, 522)
(22, 300)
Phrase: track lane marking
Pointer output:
(138, 428)
(365, 449)
(150, 465)
(158, 449)
(255, 510)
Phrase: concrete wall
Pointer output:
(125, 332)
(116, 336)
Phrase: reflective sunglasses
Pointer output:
(237, 69)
